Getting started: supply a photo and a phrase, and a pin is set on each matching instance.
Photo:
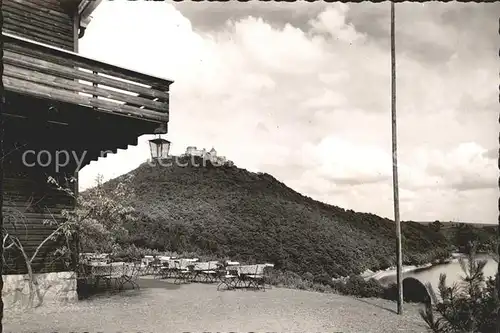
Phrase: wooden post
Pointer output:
(2, 97)
(497, 278)
(395, 185)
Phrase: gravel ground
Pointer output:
(161, 307)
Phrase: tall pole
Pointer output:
(497, 278)
(395, 185)
(2, 96)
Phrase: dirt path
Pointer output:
(160, 307)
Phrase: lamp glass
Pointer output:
(159, 147)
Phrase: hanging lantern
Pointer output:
(159, 148)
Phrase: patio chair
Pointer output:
(147, 262)
(211, 273)
(169, 269)
(155, 267)
(198, 269)
(163, 270)
(100, 271)
(243, 272)
(257, 279)
(130, 274)
(184, 273)
(116, 274)
(228, 277)
(106, 272)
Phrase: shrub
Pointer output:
(373, 288)
(302, 285)
(308, 276)
(127, 254)
(322, 288)
(390, 292)
(324, 279)
(353, 286)
(284, 279)
(357, 286)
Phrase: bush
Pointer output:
(470, 306)
(322, 288)
(284, 279)
(357, 286)
(324, 279)
(373, 288)
(308, 276)
(353, 286)
(127, 254)
(390, 292)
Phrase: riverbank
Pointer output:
(430, 271)
(392, 271)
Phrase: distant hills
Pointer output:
(450, 224)
(228, 212)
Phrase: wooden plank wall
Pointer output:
(28, 201)
(44, 21)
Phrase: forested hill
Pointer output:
(230, 212)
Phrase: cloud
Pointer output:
(213, 16)
(491, 154)
(332, 21)
(305, 96)
(464, 168)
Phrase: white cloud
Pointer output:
(312, 107)
(333, 22)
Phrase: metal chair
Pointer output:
(130, 274)
(228, 277)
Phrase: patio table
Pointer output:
(207, 271)
(107, 272)
(245, 276)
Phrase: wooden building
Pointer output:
(58, 101)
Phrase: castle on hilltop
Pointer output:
(208, 155)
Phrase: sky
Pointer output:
(302, 91)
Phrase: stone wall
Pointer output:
(57, 287)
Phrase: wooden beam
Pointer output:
(11, 58)
(41, 91)
(75, 86)
(58, 55)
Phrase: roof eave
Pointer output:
(85, 9)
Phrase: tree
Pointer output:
(100, 216)
(436, 226)
(468, 306)
(96, 224)
(466, 237)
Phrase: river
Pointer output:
(431, 274)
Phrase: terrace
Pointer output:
(161, 306)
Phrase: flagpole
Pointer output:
(395, 185)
